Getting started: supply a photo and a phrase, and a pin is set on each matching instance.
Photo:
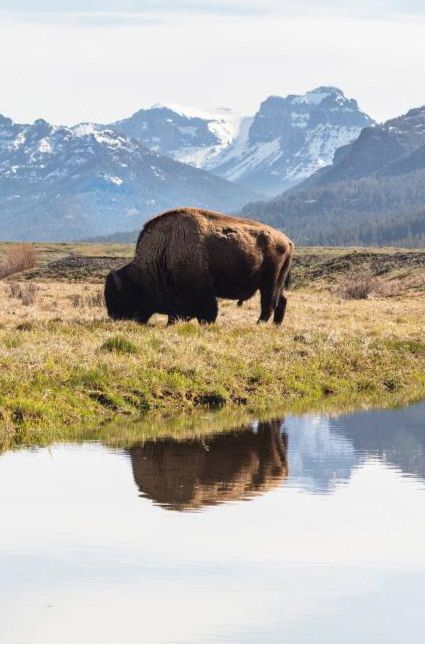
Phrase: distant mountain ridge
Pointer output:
(373, 192)
(64, 183)
(287, 140)
(383, 150)
(185, 134)
(59, 183)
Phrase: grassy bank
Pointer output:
(63, 365)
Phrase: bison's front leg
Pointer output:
(199, 301)
(207, 309)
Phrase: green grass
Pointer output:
(120, 345)
(56, 378)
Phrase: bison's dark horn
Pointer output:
(117, 280)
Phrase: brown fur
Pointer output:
(185, 475)
(187, 258)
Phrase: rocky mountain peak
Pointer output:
(186, 134)
(5, 121)
(413, 120)
(323, 95)
(290, 137)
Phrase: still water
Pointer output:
(306, 529)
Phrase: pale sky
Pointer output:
(102, 60)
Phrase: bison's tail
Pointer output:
(288, 279)
(240, 303)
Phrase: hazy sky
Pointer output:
(103, 59)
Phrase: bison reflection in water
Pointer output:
(187, 475)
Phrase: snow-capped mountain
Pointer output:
(289, 139)
(91, 180)
(186, 134)
(60, 183)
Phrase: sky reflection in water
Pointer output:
(306, 529)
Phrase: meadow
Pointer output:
(353, 337)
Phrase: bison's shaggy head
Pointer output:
(123, 297)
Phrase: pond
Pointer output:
(304, 529)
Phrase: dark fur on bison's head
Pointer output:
(123, 297)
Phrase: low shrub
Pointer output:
(95, 299)
(26, 293)
(399, 286)
(356, 286)
(19, 257)
(27, 325)
(14, 289)
(29, 293)
(90, 300)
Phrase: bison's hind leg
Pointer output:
(273, 300)
(279, 312)
(272, 297)
(268, 303)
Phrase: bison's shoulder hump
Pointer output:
(202, 222)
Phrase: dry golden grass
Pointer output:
(396, 306)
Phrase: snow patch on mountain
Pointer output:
(18, 142)
(112, 179)
(222, 122)
(260, 154)
(314, 97)
(45, 146)
(319, 150)
(102, 135)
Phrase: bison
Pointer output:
(187, 258)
